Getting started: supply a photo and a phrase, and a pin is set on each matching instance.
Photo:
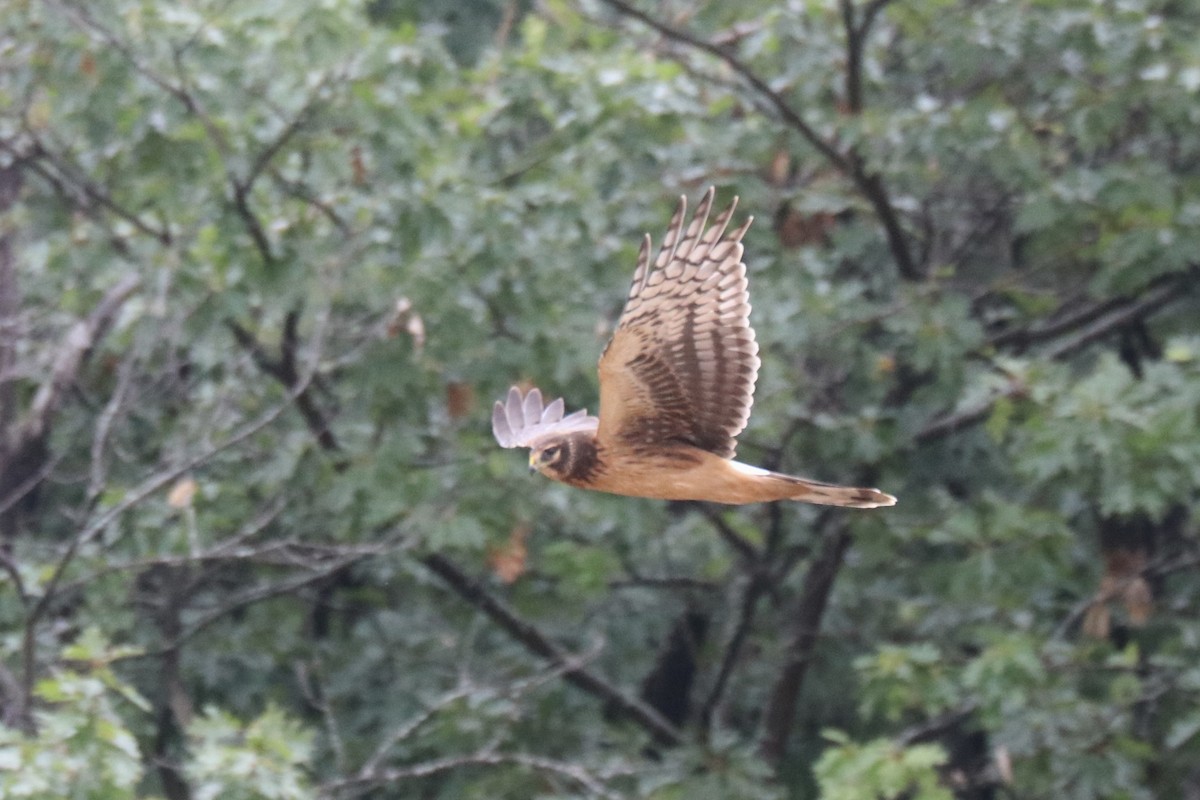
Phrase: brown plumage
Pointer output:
(676, 386)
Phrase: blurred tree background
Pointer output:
(264, 267)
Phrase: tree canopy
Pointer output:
(265, 266)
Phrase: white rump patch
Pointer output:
(746, 469)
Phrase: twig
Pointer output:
(100, 523)
(98, 473)
(317, 698)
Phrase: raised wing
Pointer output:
(682, 362)
(524, 422)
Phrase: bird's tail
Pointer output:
(830, 494)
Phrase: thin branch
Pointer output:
(284, 371)
(409, 728)
(9, 501)
(850, 164)
(100, 523)
(538, 643)
(1151, 302)
(77, 345)
(253, 226)
(738, 543)
(1115, 317)
(246, 599)
(680, 583)
(1157, 568)
(318, 698)
(782, 107)
(780, 711)
(854, 41)
(104, 423)
(951, 423)
(69, 181)
(302, 192)
(485, 757)
(11, 180)
(755, 588)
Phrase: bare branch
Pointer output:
(104, 422)
(101, 522)
(738, 543)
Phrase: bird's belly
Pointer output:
(690, 474)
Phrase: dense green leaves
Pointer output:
(263, 268)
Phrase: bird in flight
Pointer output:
(676, 386)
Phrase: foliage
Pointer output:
(879, 769)
(264, 266)
(83, 746)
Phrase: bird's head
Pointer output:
(551, 459)
(574, 458)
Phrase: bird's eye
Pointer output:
(551, 453)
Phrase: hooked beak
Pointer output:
(533, 462)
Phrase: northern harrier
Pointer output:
(676, 385)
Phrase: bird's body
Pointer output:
(676, 386)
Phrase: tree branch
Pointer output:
(539, 644)
(781, 106)
(70, 181)
(76, 347)
(755, 588)
(485, 757)
(850, 164)
(780, 711)
(10, 302)
(284, 370)
(1110, 318)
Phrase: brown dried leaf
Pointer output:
(181, 493)
(1097, 622)
(357, 166)
(508, 561)
(460, 399)
(1139, 601)
(780, 168)
(405, 318)
(797, 229)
